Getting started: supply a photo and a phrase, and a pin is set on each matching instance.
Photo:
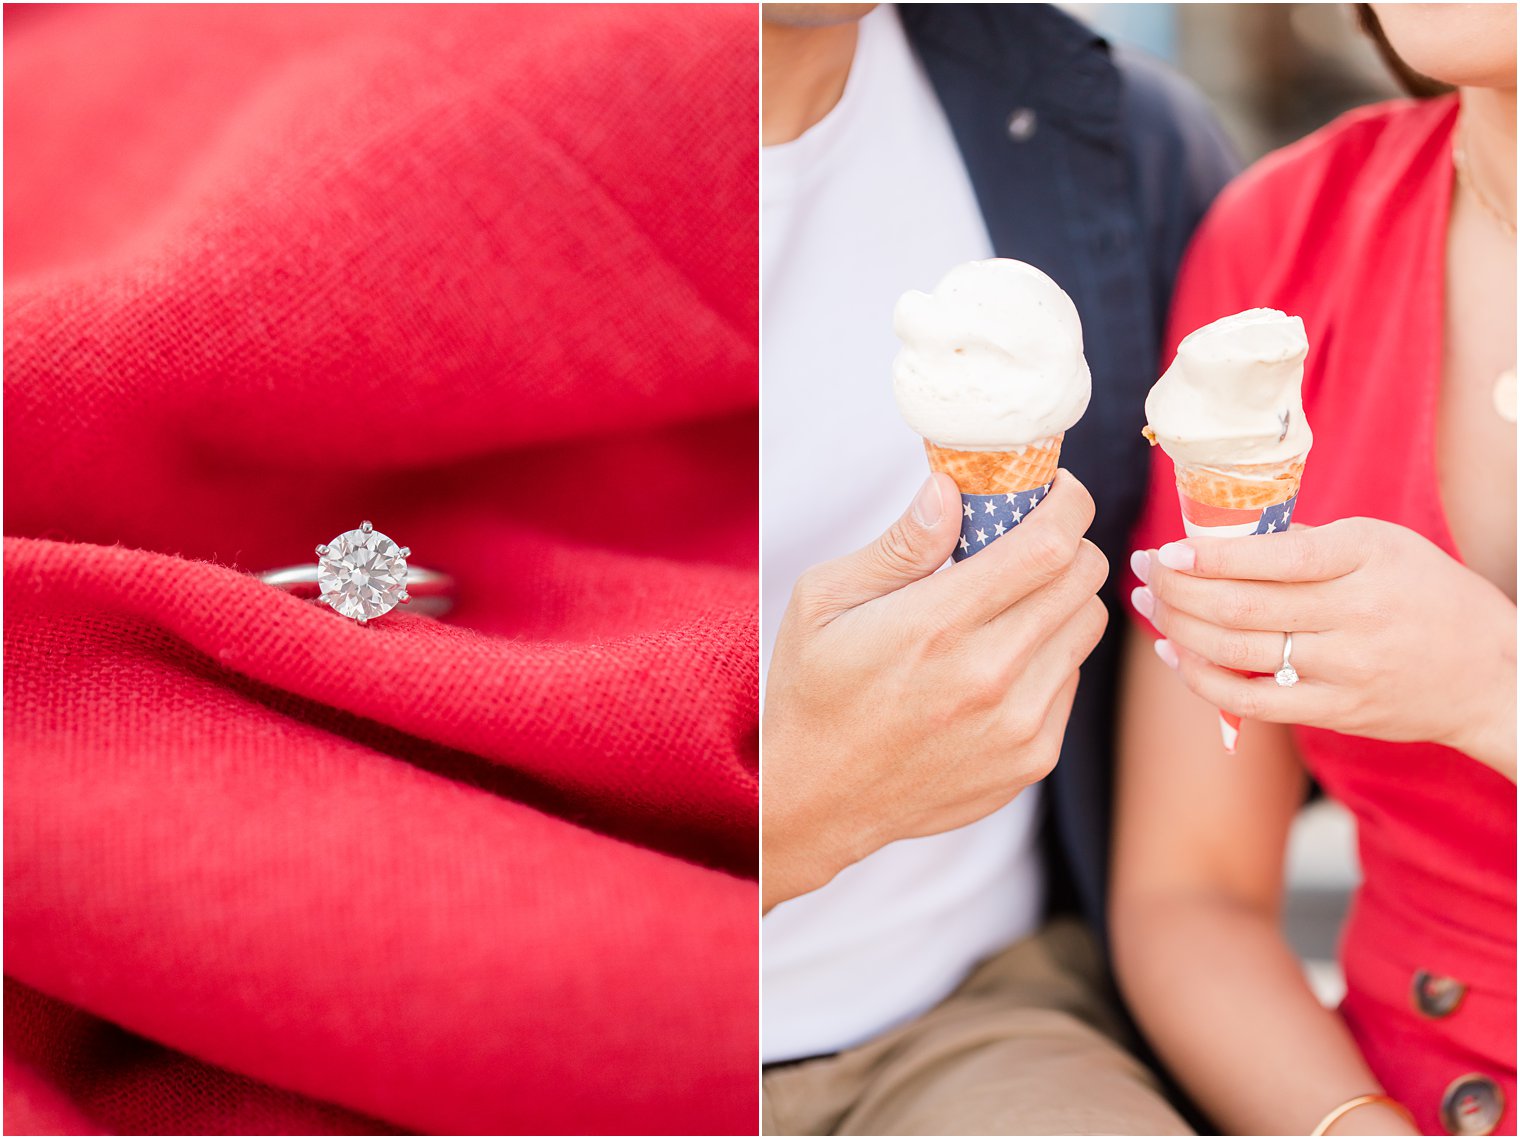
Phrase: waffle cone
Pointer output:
(1251, 486)
(998, 472)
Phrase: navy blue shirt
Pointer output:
(1095, 165)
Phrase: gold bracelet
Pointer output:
(1361, 1101)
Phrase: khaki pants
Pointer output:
(1025, 1046)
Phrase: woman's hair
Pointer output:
(1418, 85)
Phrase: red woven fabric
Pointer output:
(486, 276)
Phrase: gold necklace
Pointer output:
(1504, 390)
(1464, 176)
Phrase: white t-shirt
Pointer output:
(870, 202)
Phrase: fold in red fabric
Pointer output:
(486, 276)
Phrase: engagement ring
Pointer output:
(1287, 675)
(363, 574)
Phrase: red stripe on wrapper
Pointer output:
(1229, 728)
(1202, 514)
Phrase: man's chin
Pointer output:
(813, 15)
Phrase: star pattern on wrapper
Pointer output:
(1002, 511)
(1276, 518)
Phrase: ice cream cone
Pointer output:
(998, 488)
(1239, 501)
(991, 376)
(1229, 413)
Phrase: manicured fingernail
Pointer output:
(1140, 564)
(1177, 556)
(926, 505)
(1144, 601)
(1167, 654)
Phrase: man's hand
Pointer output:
(901, 702)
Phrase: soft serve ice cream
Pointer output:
(991, 374)
(1233, 395)
(992, 357)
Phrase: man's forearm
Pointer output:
(1222, 998)
(781, 876)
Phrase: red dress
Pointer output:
(1347, 230)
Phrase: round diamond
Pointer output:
(1286, 676)
(362, 574)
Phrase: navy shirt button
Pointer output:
(1435, 996)
(1471, 1105)
(1021, 124)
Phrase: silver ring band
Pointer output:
(362, 574)
(1287, 675)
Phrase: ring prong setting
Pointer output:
(367, 526)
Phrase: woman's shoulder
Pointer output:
(1300, 205)
(1361, 143)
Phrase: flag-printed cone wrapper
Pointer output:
(998, 488)
(1237, 502)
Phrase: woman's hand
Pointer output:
(1392, 638)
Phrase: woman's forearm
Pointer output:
(1493, 735)
(1224, 1001)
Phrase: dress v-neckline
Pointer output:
(1432, 307)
